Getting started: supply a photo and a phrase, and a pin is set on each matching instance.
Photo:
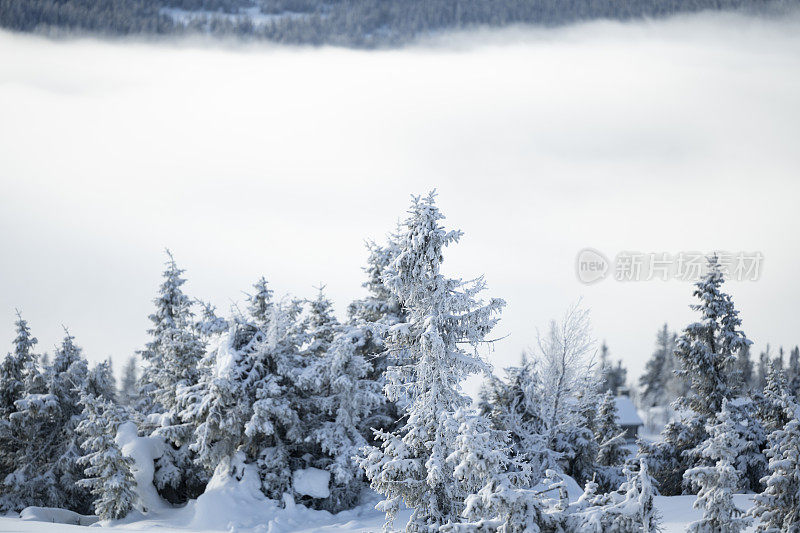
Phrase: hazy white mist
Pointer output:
(666, 136)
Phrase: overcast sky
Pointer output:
(670, 136)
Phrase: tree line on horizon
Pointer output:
(356, 23)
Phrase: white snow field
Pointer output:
(223, 511)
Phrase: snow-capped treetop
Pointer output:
(173, 307)
(320, 325)
(175, 350)
(23, 342)
(260, 302)
(67, 354)
(15, 367)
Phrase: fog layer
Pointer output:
(667, 136)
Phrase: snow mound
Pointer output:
(143, 451)
(312, 482)
(56, 516)
(574, 490)
(233, 501)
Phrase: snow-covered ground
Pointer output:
(264, 517)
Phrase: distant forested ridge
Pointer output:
(358, 23)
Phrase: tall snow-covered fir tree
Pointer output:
(778, 507)
(707, 352)
(707, 349)
(109, 473)
(172, 355)
(445, 324)
(718, 483)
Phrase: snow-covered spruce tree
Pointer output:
(245, 406)
(274, 434)
(341, 396)
(778, 507)
(222, 402)
(772, 406)
(13, 372)
(33, 432)
(611, 453)
(172, 356)
(13, 368)
(446, 322)
(567, 383)
(69, 377)
(750, 462)
(127, 393)
(706, 351)
(108, 472)
(719, 482)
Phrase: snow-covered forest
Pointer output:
(276, 413)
